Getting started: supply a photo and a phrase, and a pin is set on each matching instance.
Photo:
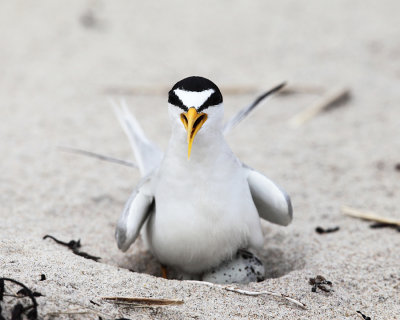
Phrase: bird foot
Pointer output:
(164, 272)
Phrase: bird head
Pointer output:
(195, 104)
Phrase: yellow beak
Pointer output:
(192, 121)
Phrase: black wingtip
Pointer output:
(273, 90)
(280, 86)
(245, 112)
(268, 93)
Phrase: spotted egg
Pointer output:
(245, 267)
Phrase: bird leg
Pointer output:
(164, 272)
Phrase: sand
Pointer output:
(61, 61)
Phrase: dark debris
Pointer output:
(86, 255)
(42, 277)
(1, 290)
(71, 245)
(385, 225)
(24, 292)
(74, 246)
(364, 316)
(32, 315)
(100, 318)
(19, 310)
(321, 230)
(321, 283)
(1, 317)
(95, 303)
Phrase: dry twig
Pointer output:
(365, 215)
(58, 313)
(333, 98)
(139, 301)
(252, 293)
(363, 316)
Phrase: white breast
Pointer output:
(204, 211)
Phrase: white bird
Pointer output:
(197, 204)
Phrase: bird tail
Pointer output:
(148, 155)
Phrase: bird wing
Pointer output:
(137, 209)
(243, 113)
(148, 155)
(273, 203)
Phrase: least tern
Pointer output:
(197, 204)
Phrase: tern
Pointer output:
(197, 204)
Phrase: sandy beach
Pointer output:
(61, 62)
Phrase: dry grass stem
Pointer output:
(334, 98)
(270, 293)
(139, 301)
(252, 293)
(366, 215)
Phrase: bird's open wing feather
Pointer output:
(243, 113)
(273, 204)
(148, 155)
(136, 211)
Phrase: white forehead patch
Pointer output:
(193, 98)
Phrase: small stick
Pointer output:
(71, 245)
(321, 230)
(74, 246)
(142, 301)
(331, 99)
(270, 293)
(365, 215)
(57, 313)
(251, 293)
(363, 316)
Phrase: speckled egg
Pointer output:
(245, 267)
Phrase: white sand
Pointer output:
(54, 80)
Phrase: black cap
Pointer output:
(195, 84)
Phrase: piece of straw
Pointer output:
(252, 293)
(142, 301)
(366, 215)
(334, 98)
